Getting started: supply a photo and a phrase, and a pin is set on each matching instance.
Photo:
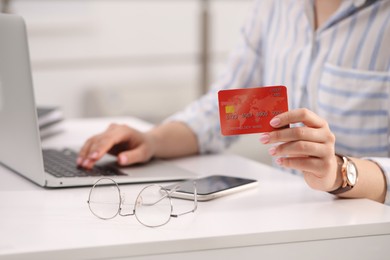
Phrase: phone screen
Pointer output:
(211, 187)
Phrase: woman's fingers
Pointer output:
(308, 147)
(295, 116)
(114, 140)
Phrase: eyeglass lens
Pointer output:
(104, 199)
(153, 206)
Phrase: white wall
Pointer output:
(135, 57)
(142, 46)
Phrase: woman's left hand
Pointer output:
(309, 148)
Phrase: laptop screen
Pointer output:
(19, 137)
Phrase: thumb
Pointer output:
(137, 155)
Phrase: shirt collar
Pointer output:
(345, 9)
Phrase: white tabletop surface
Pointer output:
(37, 223)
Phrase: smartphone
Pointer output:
(210, 187)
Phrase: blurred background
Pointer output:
(142, 58)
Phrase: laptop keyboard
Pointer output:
(62, 163)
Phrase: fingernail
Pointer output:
(94, 155)
(275, 122)
(279, 161)
(79, 160)
(122, 159)
(85, 163)
(264, 138)
(272, 150)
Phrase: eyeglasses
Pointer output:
(153, 206)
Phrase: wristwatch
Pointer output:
(349, 175)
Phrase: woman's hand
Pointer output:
(309, 148)
(129, 145)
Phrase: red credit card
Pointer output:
(249, 110)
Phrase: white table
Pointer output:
(281, 219)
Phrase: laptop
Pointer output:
(20, 144)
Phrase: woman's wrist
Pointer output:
(338, 178)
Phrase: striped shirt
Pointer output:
(341, 71)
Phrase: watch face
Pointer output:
(351, 173)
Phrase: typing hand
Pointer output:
(308, 148)
(129, 145)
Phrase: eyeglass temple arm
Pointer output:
(195, 201)
(168, 194)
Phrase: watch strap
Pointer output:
(345, 186)
(341, 189)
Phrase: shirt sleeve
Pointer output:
(384, 164)
(244, 70)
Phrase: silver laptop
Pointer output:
(20, 144)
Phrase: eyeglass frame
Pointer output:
(134, 213)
